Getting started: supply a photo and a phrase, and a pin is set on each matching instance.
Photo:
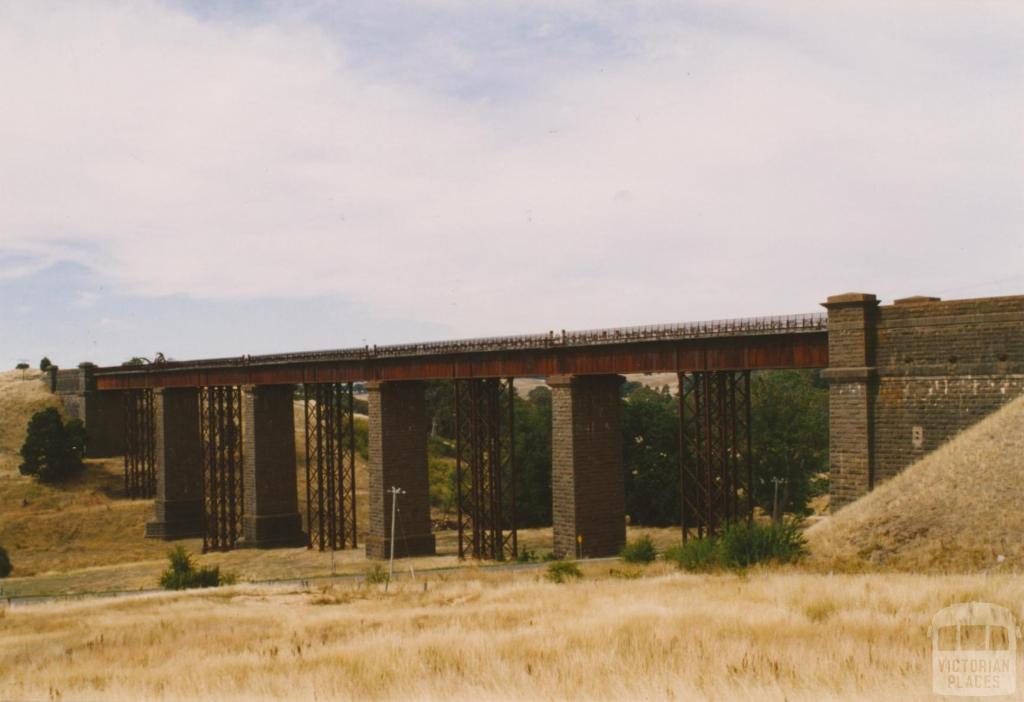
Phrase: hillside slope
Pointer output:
(959, 508)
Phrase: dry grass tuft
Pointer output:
(957, 509)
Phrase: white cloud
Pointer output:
(729, 162)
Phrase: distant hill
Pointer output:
(959, 508)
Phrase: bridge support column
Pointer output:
(270, 516)
(398, 458)
(588, 486)
(853, 387)
(178, 464)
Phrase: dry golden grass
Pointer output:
(956, 509)
(766, 636)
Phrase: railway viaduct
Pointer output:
(213, 440)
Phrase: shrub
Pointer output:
(183, 574)
(563, 571)
(639, 551)
(52, 450)
(44, 364)
(695, 554)
(377, 575)
(526, 556)
(5, 563)
(77, 437)
(740, 545)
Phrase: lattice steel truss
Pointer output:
(139, 444)
(485, 468)
(220, 421)
(330, 466)
(714, 449)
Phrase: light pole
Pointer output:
(395, 492)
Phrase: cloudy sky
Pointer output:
(207, 178)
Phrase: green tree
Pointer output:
(650, 447)
(52, 451)
(44, 364)
(440, 397)
(789, 426)
(533, 458)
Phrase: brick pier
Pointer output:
(271, 515)
(178, 464)
(588, 485)
(398, 458)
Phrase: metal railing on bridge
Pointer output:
(744, 326)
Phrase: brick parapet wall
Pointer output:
(397, 444)
(588, 487)
(918, 373)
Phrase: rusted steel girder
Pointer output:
(715, 462)
(797, 341)
(139, 445)
(485, 468)
(220, 424)
(330, 466)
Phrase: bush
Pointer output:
(183, 574)
(695, 554)
(44, 364)
(377, 575)
(740, 545)
(52, 450)
(5, 563)
(527, 556)
(563, 571)
(639, 551)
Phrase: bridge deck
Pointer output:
(794, 341)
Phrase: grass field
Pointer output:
(765, 636)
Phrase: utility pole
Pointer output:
(776, 511)
(395, 492)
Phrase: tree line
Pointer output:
(789, 426)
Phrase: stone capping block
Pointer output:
(850, 299)
(916, 300)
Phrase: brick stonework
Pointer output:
(102, 412)
(907, 377)
(270, 517)
(178, 463)
(587, 482)
(853, 385)
(398, 458)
